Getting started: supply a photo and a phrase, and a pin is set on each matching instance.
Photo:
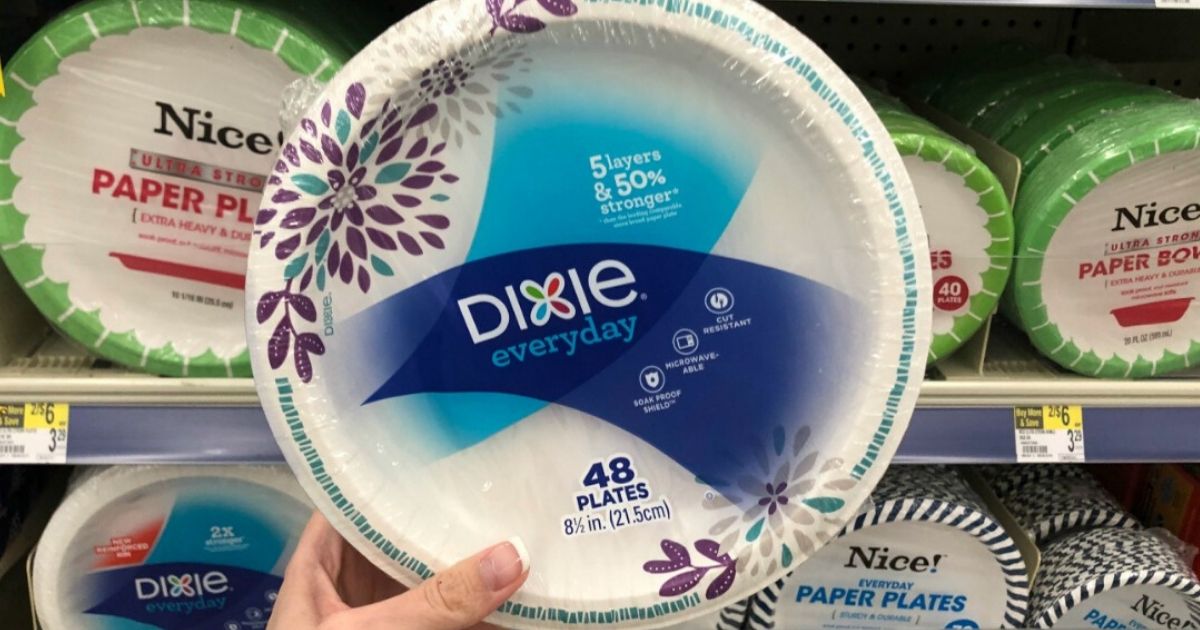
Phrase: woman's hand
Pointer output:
(328, 585)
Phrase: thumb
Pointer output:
(458, 597)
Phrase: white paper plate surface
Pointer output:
(612, 277)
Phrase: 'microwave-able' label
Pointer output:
(958, 238)
(182, 557)
(1136, 607)
(1122, 271)
(896, 575)
(140, 168)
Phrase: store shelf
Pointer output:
(964, 415)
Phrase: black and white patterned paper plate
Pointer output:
(1058, 500)
(1085, 564)
(1005, 479)
(929, 494)
(734, 616)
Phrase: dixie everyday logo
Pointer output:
(881, 559)
(608, 284)
(186, 592)
(1150, 215)
(183, 585)
(194, 120)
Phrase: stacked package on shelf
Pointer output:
(1050, 501)
(923, 551)
(168, 547)
(967, 217)
(135, 140)
(1106, 260)
(1099, 567)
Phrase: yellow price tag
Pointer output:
(1049, 418)
(34, 433)
(1, 81)
(47, 415)
(1049, 433)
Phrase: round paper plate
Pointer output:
(1060, 504)
(924, 551)
(1045, 129)
(135, 139)
(168, 547)
(1113, 578)
(999, 121)
(973, 96)
(970, 230)
(968, 220)
(1099, 225)
(643, 284)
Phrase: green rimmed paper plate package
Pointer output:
(968, 219)
(135, 140)
(1108, 257)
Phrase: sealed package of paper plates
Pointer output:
(135, 140)
(612, 277)
(1104, 278)
(168, 547)
(967, 217)
(1114, 578)
(1056, 502)
(923, 552)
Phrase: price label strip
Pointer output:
(1, 81)
(1048, 434)
(34, 433)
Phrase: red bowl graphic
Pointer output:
(1161, 312)
(179, 270)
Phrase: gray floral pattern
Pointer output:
(791, 496)
(469, 88)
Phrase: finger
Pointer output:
(308, 593)
(456, 598)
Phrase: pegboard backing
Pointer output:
(894, 41)
(898, 41)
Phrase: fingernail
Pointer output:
(504, 564)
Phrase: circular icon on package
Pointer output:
(652, 379)
(950, 293)
(232, 625)
(718, 301)
(272, 595)
(254, 614)
(962, 623)
(685, 341)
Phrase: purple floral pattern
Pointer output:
(341, 209)
(347, 188)
(509, 19)
(341, 198)
(286, 338)
(687, 574)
